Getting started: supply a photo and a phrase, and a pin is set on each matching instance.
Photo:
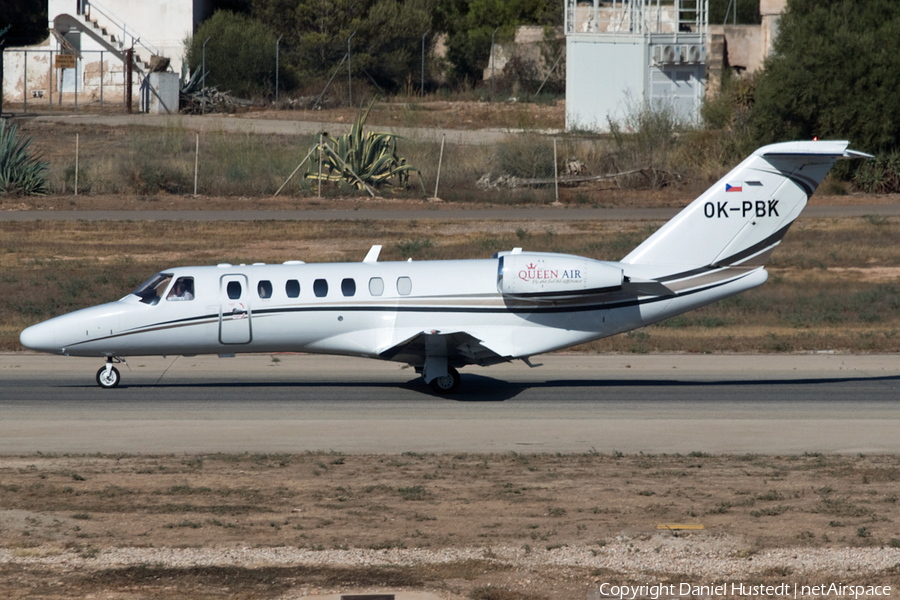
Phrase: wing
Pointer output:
(461, 349)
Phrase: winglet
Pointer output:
(372, 256)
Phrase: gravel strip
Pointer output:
(706, 558)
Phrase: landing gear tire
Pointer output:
(108, 380)
(447, 384)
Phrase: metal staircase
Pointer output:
(109, 31)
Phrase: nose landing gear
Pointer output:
(108, 377)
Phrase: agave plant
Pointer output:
(361, 159)
(21, 172)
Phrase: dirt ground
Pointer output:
(485, 527)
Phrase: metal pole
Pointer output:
(492, 63)
(101, 81)
(278, 41)
(203, 77)
(349, 72)
(76, 164)
(75, 75)
(440, 160)
(320, 165)
(196, 163)
(422, 86)
(50, 82)
(129, 58)
(25, 103)
(555, 173)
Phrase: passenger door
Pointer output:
(234, 310)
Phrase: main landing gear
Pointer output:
(446, 384)
(108, 377)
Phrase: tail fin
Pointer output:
(741, 219)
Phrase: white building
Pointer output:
(623, 54)
(98, 35)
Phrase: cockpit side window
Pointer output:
(182, 290)
(152, 289)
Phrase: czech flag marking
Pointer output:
(733, 188)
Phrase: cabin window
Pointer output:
(292, 288)
(234, 290)
(348, 287)
(404, 286)
(264, 289)
(182, 290)
(376, 286)
(320, 288)
(152, 290)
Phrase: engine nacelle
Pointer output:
(549, 274)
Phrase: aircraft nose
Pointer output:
(40, 337)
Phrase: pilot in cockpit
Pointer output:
(181, 290)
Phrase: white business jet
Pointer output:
(438, 316)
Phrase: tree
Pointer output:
(28, 21)
(240, 54)
(835, 74)
(470, 23)
(747, 12)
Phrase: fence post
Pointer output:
(278, 41)
(196, 163)
(203, 77)
(76, 164)
(492, 64)
(349, 72)
(555, 174)
(422, 83)
(129, 58)
(50, 82)
(440, 160)
(320, 165)
(101, 81)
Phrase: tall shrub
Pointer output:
(835, 73)
(240, 54)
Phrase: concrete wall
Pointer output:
(744, 46)
(616, 78)
(527, 46)
(162, 23)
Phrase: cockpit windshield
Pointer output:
(152, 290)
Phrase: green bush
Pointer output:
(240, 54)
(834, 74)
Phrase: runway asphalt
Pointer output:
(771, 404)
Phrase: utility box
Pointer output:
(166, 87)
(623, 55)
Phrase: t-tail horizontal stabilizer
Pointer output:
(740, 219)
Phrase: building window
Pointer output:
(320, 288)
(264, 288)
(348, 287)
(376, 286)
(404, 286)
(292, 288)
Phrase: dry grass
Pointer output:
(832, 284)
(334, 501)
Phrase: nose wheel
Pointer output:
(108, 377)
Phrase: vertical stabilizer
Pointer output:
(740, 219)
